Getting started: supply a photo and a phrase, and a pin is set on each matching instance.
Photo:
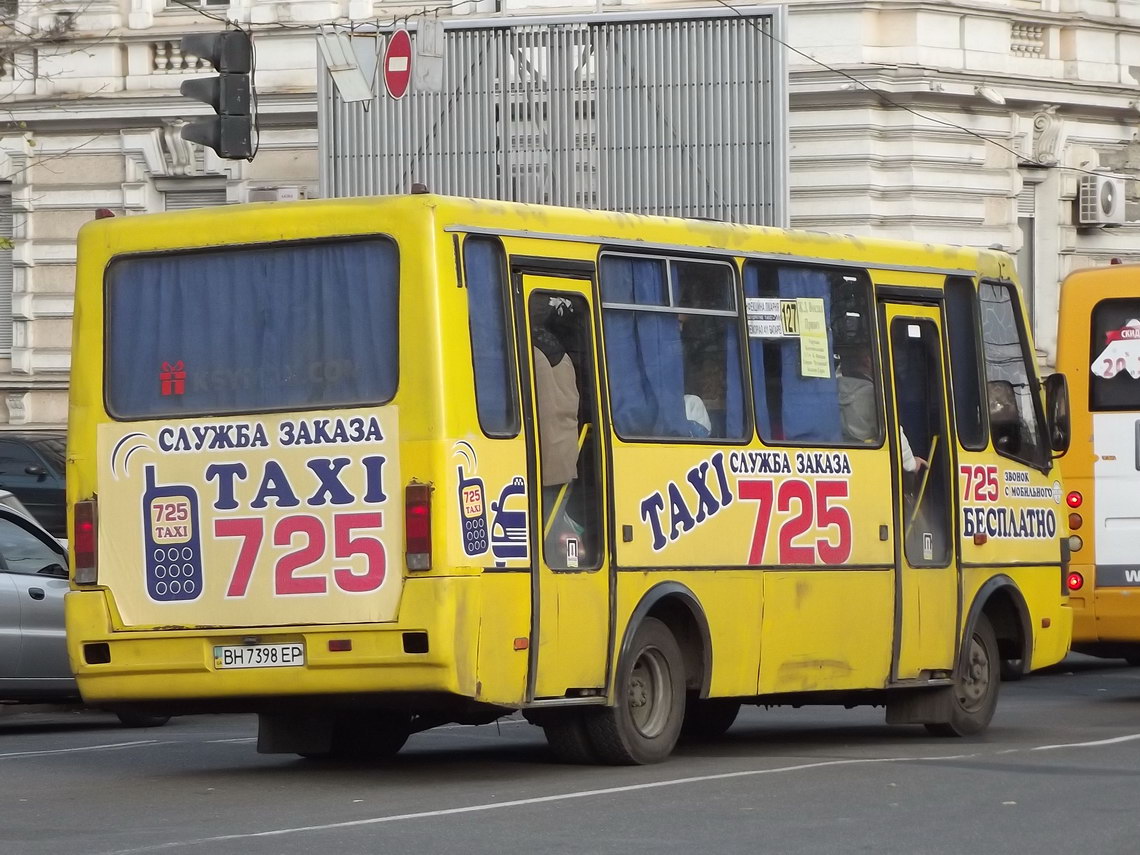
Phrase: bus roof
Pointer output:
(269, 221)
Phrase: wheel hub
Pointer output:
(975, 678)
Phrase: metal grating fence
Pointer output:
(681, 114)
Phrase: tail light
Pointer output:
(1074, 499)
(84, 545)
(1076, 581)
(417, 526)
(1075, 521)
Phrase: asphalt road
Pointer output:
(1059, 769)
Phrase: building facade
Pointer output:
(972, 122)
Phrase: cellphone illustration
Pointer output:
(473, 511)
(172, 541)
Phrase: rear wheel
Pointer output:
(708, 718)
(644, 723)
(975, 691)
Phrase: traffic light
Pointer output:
(230, 133)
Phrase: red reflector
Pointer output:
(980, 538)
(104, 213)
(1076, 581)
(84, 543)
(417, 526)
(522, 643)
(1074, 499)
(337, 645)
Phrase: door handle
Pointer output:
(1138, 445)
(36, 593)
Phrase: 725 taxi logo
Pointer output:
(797, 507)
(243, 491)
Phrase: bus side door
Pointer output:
(927, 584)
(570, 624)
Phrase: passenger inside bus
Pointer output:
(556, 401)
(858, 408)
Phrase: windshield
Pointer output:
(252, 329)
(1114, 383)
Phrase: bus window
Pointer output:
(1015, 421)
(833, 403)
(496, 396)
(672, 327)
(253, 329)
(965, 376)
(1114, 383)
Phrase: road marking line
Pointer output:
(582, 794)
(109, 747)
(1115, 740)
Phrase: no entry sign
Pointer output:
(397, 65)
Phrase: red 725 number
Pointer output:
(308, 538)
(803, 509)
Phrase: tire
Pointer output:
(643, 725)
(1012, 670)
(370, 738)
(708, 719)
(568, 737)
(133, 719)
(975, 691)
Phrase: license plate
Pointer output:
(259, 655)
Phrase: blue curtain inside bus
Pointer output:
(806, 408)
(250, 329)
(495, 397)
(643, 351)
(646, 358)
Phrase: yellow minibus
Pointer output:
(366, 466)
(1099, 351)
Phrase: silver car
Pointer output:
(33, 643)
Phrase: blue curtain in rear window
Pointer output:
(495, 397)
(643, 351)
(300, 326)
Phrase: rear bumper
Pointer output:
(178, 664)
(1105, 614)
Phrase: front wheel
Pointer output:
(975, 690)
(644, 723)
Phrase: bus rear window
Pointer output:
(252, 329)
(1114, 381)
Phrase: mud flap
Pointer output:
(921, 706)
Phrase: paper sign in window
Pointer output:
(815, 355)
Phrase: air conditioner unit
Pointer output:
(276, 194)
(1100, 200)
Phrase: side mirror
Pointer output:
(1057, 412)
(1005, 423)
(56, 571)
(37, 470)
